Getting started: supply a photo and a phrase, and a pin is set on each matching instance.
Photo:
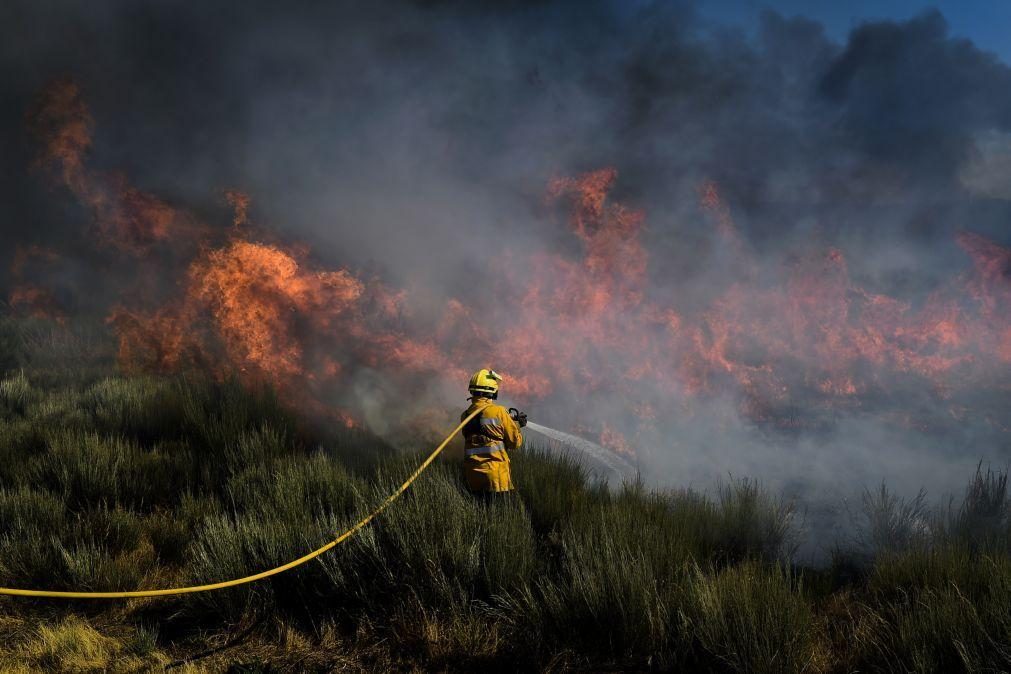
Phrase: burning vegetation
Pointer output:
(572, 325)
(248, 278)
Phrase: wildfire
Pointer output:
(576, 324)
(126, 218)
(36, 302)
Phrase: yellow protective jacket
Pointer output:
(486, 441)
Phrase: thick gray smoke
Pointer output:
(413, 140)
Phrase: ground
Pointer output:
(111, 480)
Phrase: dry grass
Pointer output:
(72, 644)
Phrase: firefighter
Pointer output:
(489, 437)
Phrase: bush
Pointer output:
(86, 468)
(29, 545)
(553, 486)
(20, 441)
(892, 523)
(945, 609)
(94, 567)
(216, 416)
(983, 522)
(748, 618)
(114, 482)
(751, 523)
(139, 407)
(15, 393)
(610, 600)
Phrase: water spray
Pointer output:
(600, 459)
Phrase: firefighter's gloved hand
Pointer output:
(519, 417)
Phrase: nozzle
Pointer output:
(519, 417)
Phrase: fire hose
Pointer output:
(361, 524)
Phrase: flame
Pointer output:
(579, 324)
(36, 302)
(615, 441)
(28, 298)
(256, 294)
(239, 201)
(126, 218)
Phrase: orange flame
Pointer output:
(126, 218)
(580, 324)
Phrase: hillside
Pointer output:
(111, 481)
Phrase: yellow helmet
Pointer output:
(485, 382)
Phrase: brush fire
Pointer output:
(523, 335)
(792, 344)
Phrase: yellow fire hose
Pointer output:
(263, 574)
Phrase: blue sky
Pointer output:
(987, 22)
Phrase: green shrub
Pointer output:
(553, 487)
(438, 544)
(20, 440)
(169, 536)
(893, 523)
(945, 609)
(16, 393)
(281, 511)
(59, 409)
(227, 547)
(32, 522)
(611, 600)
(214, 416)
(295, 488)
(749, 618)
(752, 523)
(138, 407)
(255, 447)
(116, 482)
(444, 534)
(983, 521)
(90, 566)
(170, 532)
(86, 468)
(116, 530)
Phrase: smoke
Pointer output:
(772, 256)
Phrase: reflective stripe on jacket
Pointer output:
(492, 430)
(487, 437)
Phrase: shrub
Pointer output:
(553, 486)
(751, 523)
(294, 489)
(946, 609)
(892, 523)
(20, 440)
(91, 566)
(983, 521)
(87, 468)
(254, 447)
(29, 545)
(227, 547)
(748, 618)
(112, 482)
(138, 407)
(214, 416)
(431, 544)
(16, 393)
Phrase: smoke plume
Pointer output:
(771, 255)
